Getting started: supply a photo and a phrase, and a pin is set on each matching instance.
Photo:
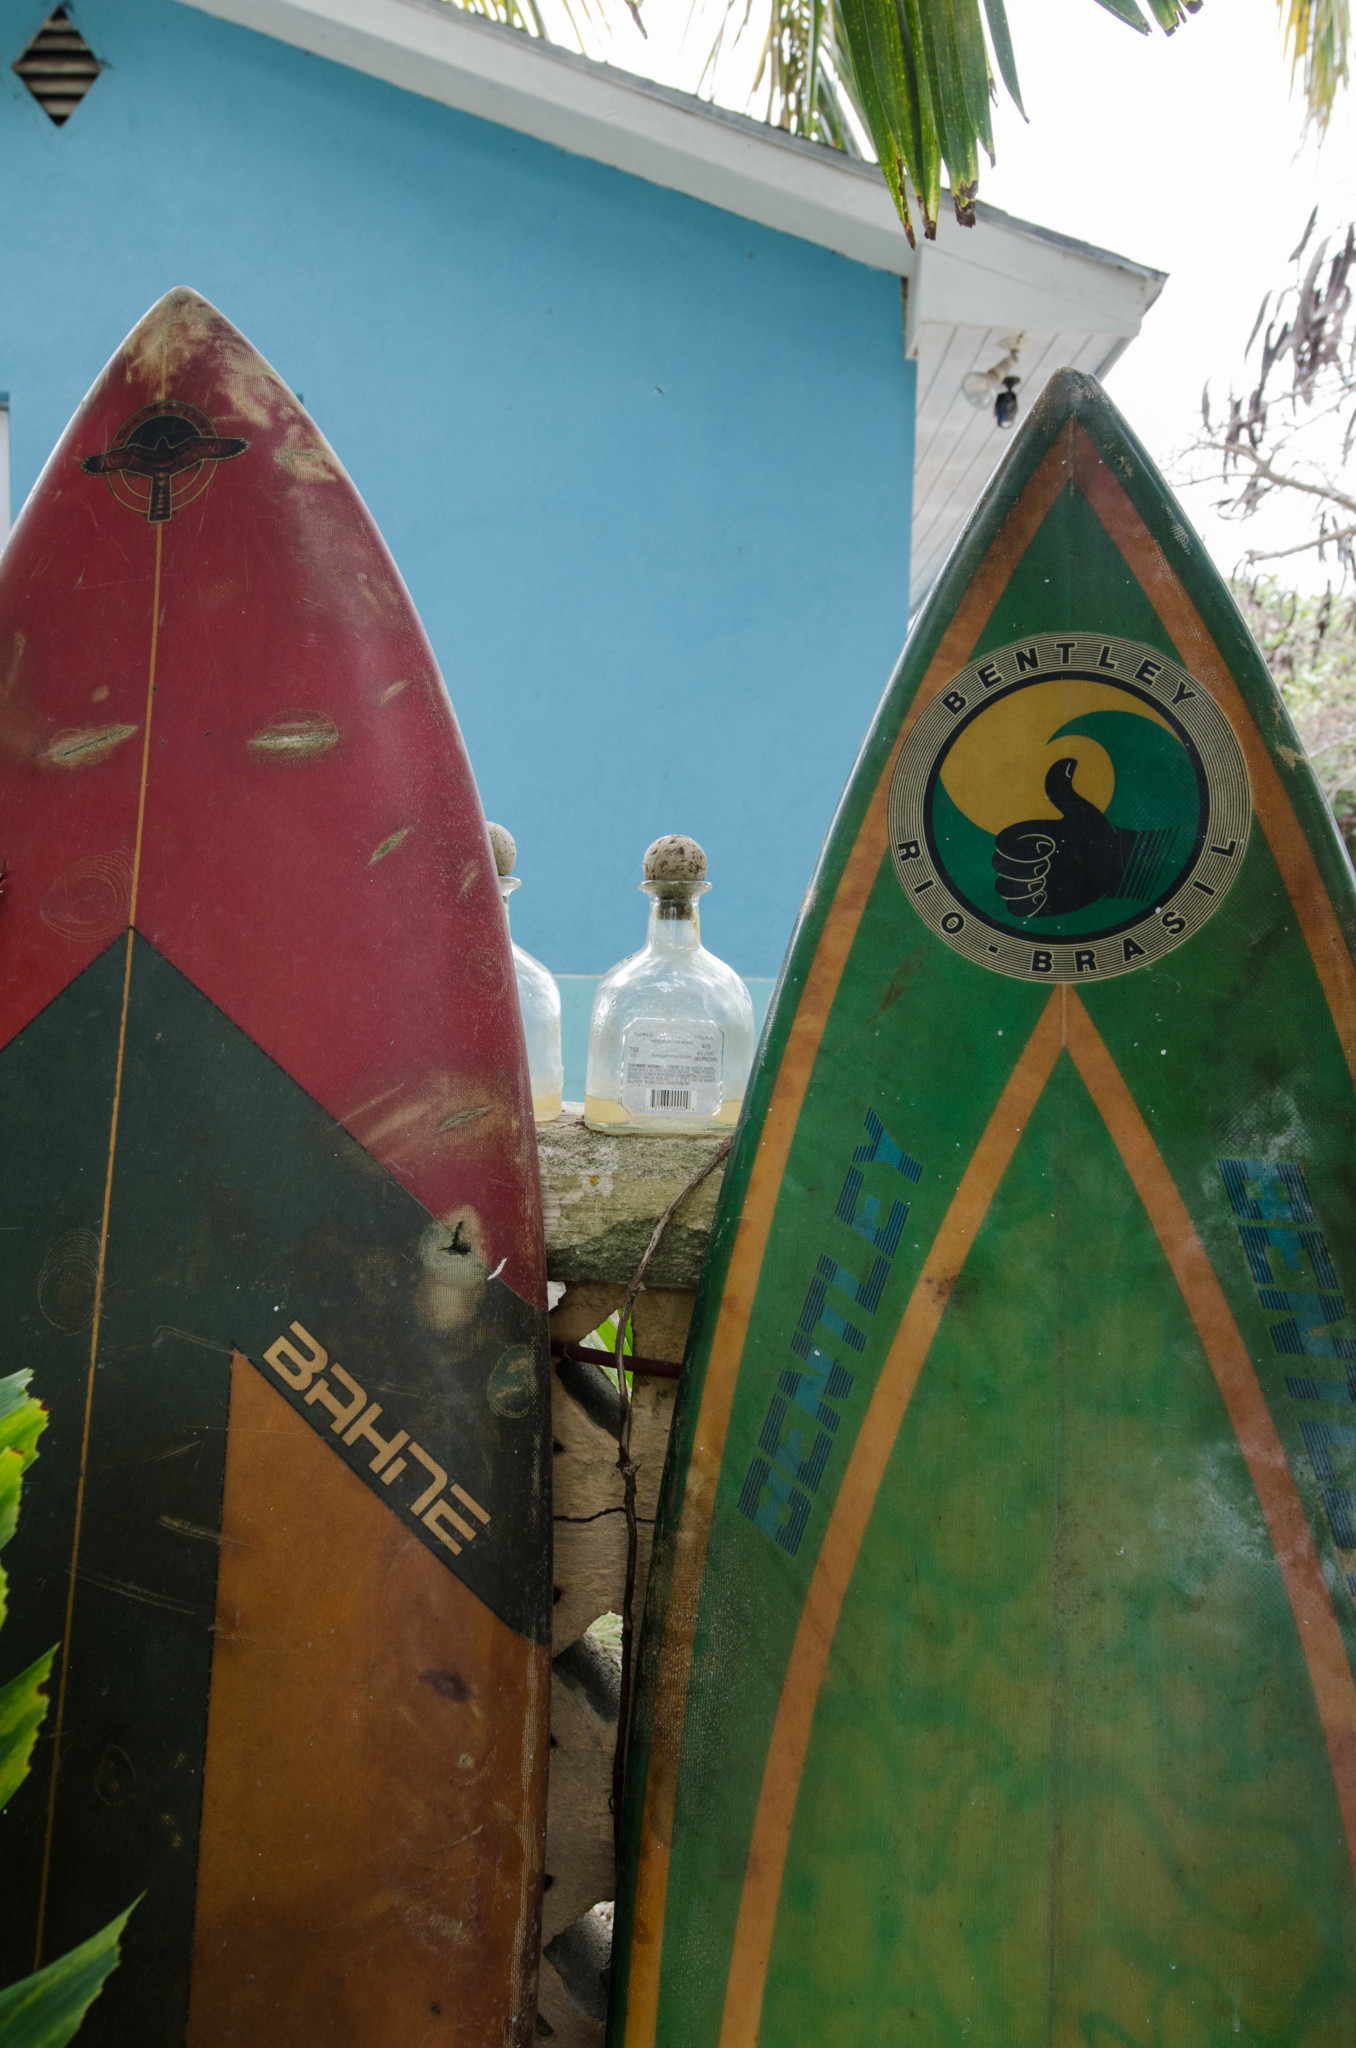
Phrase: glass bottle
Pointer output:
(538, 997)
(671, 1035)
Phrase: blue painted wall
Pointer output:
(645, 466)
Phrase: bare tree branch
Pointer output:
(1277, 441)
(1265, 469)
(1301, 547)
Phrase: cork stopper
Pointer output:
(504, 847)
(674, 858)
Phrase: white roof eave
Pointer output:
(1011, 273)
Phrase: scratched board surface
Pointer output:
(997, 1670)
(272, 1249)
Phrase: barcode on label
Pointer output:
(670, 1098)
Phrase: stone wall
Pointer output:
(602, 1199)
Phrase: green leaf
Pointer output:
(919, 71)
(925, 165)
(22, 1420)
(1002, 48)
(812, 56)
(976, 79)
(1126, 11)
(44, 2010)
(604, 1338)
(871, 32)
(22, 1708)
(941, 55)
(11, 1473)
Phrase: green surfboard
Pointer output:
(996, 1681)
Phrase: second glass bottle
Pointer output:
(538, 997)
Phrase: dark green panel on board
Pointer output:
(996, 1683)
(143, 1604)
(206, 1253)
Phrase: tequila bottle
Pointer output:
(671, 1035)
(538, 997)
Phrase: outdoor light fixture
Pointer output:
(997, 386)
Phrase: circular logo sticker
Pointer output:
(1069, 809)
(163, 458)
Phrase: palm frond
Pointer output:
(924, 70)
(527, 16)
(915, 78)
(520, 14)
(804, 80)
(1317, 33)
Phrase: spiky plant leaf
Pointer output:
(22, 1707)
(22, 1419)
(44, 2010)
(11, 1471)
(22, 1703)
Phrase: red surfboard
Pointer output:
(270, 1241)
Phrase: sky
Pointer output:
(1188, 153)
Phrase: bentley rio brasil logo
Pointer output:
(1069, 808)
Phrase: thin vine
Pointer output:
(627, 1467)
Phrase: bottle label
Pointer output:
(671, 1069)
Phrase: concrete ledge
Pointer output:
(603, 1196)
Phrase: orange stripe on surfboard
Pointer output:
(1316, 1624)
(1287, 1524)
(1273, 809)
(77, 1528)
(852, 1512)
(746, 1259)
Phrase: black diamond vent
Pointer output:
(58, 67)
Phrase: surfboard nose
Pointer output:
(180, 298)
(185, 350)
(181, 320)
(1070, 391)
